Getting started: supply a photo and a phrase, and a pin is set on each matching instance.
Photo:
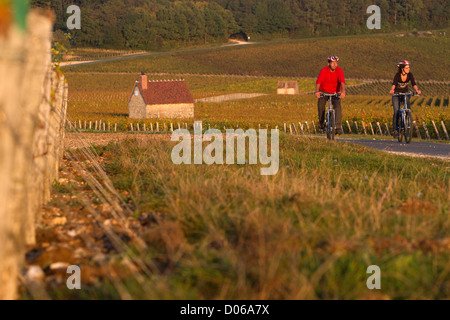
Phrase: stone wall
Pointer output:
(287, 91)
(170, 111)
(136, 106)
(33, 101)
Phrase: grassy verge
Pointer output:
(309, 232)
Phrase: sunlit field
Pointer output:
(95, 97)
(226, 232)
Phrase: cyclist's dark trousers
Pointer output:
(396, 104)
(337, 109)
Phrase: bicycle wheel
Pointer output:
(408, 127)
(331, 125)
(401, 127)
(327, 128)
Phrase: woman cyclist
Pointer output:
(400, 85)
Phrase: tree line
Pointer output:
(335, 17)
(153, 24)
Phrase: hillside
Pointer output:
(364, 57)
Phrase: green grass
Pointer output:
(302, 58)
(309, 232)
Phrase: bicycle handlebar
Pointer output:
(330, 94)
(405, 94)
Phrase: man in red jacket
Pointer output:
(331, 80)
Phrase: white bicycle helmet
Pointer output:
(333, 58)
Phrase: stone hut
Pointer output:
(160, 99)
(287, 87)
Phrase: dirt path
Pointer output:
(229, 97)
(79, 140)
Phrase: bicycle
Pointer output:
(331, 116)
(404, 118)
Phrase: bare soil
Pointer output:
(74, 140)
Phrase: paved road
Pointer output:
(416, 148)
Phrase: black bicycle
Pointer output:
(404, 117)
(331, 115)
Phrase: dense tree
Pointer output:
(148, 24)
(273, 16)
(139, 29)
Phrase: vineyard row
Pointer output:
(428, 131)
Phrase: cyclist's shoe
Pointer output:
(395, 134)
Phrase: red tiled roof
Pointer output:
(287, 84)
(166, 92)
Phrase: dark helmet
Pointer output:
(333, 58)
(403, 64)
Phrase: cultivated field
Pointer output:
(101, 91)
(438, 89)
(301, 58)
(104, 96)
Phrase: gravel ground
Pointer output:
(79, 140)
